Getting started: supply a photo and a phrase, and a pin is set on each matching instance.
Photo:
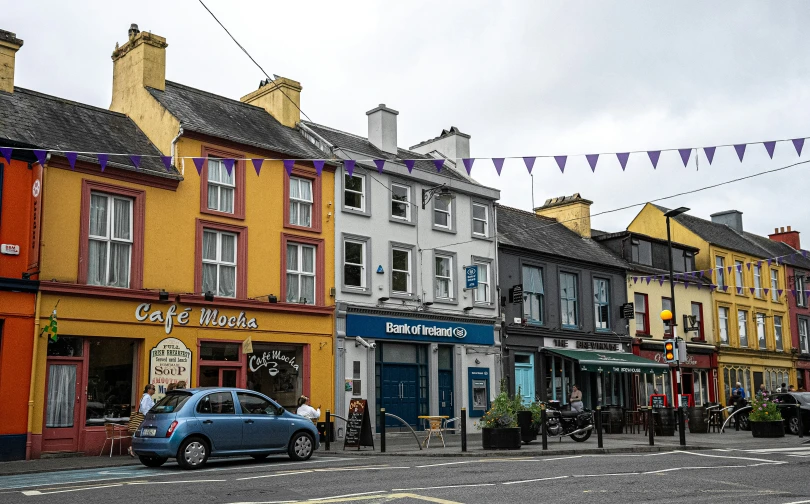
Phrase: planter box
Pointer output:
(527, 433)
(768, 429)
(501, 439)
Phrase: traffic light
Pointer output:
(670, 350)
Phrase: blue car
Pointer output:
(194, 424)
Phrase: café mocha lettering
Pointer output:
(208, 318)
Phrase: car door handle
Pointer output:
(248, 421)
(208, 421)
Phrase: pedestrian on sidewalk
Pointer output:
(306, 410)
(143, 408)
(576, 399)
(180, 385)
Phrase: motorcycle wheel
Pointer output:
(580, 438)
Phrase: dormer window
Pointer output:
(641, 252)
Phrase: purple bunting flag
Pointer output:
(71, 157)
(42, 156)
(685, 154)
(529, 163)
(136, 160)
(257, 165)
(410, 162)
(765, 291)
(769, 263)
(318, 166)
(561, 162)
(686, 285)
(229, 162)
(6, 152)
(439, 164)
(699, 285)
(498, 162)
(635, 279)
(739, 268)
(712, 287)
(648, 280)
(290, 163)
(739, 290)
(661, 280)
(623, 157)
(380, 165)
(759, 264)
(167, 162)
(748, 265)
(770, 147)
(793, 291)
(198, 162)
(798, 143)
(752, 289)
(468, 163)
(779, 291)
(740, 148)
(654, 155)
(709, 151)
(730, 267)
(349, 166)
(725, 288)
(592, 159)
(102, 161)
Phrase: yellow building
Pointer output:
(222, 277)
(749, 305)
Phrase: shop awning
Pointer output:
(615, 362)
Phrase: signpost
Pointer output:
(358, 427)
(471, 275)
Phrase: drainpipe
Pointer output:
(174, 146)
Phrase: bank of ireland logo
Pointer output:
(459, 332)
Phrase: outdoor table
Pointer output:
(434, 426)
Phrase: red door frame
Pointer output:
(52, 439)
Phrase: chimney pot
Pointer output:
(573, 212)
(281, 98)
(731, 218)
(382, 128)
(788, 229)
(775, 230)
(782, 229)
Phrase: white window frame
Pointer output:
(774, 285)
(363, 265)
(762, 342)
(483, 280)
(742, 328)
(804, 335)
(739, 274)
(449, 212)
(300, 273)
(720, 266)
(758, 280)
(109, 239)
(541, 294)
(218, 166)
(408, 203)
(722, 317)
(597, 304)
(799, 285)
(362, 192)
(485, 220)
(437, 279)
(408, 272)
(777, 329)
(565, 301)
(219, 262)
(300, 202)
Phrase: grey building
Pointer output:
(410, 337)
(562, 297)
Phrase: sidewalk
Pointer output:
(404, 444)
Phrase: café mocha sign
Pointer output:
(208, 317)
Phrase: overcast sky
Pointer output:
(523, 78)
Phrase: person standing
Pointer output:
(739, 391)
(143, 408)
(306, 410)
(576, 399)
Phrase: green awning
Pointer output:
(615, 362)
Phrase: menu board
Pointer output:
(658, 401)
(358, 427)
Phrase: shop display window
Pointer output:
(277, 371)
(220, 351)
(66, 347)
(110, 380)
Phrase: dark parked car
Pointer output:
(790, 404)
(194, 424)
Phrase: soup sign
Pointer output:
(169, 362)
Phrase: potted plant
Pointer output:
(765, 418)
(529, 417)
(499, 428)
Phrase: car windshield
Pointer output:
(171, 403)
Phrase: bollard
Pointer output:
(382, 430)
(463, 429)
(328, 429)
(599, 426)
(543, 420)
(651, 425)
(682, 425)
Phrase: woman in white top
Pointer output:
(306, 410)
(145, 405)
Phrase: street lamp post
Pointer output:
(673, 323)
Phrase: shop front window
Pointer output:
(66, 347)
(219, 351)
(734, 375)
(277, 371)
(111, 380)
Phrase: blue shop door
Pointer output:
(446, 394)
(524, 377)
(400, 393)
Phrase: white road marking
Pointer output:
(601, 475)
(533, 480)
(366, 468)
(777, 450)
(441, 487)
(173, 482)
(769, 461)
(798, 502)
(31, 493)
(348, 495)
(289, 473)
(449, 463)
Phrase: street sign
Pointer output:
(471, 275)
(516, 294)
(628, 311)
(690, 323)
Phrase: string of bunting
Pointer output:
(498, 162)
(725, 288)
(730, 269)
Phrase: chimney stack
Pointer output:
(271, 97)
(731, 218)
(9, 45)
(790, 237)
(382, 128)
(452, 144)
(573, 212)
(138, 64)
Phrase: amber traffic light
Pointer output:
(670, 350)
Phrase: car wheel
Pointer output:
(260, 456)
(193, 453)
(301, 446)
(744, 423)
(793, 426)
(152, 461)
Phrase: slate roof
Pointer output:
(779, 249)
(32, 119)
(361, 145)
(526, 230)
(719, 234)
(210, 114)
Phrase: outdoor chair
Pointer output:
(112, 433)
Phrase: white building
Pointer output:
(409, 336)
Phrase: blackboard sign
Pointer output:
(628, 311)
(685, 400)
(658, 401)
(516, 294)
(358, 427)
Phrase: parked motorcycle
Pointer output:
(577, 425)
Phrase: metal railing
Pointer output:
(744, 408)
(403, 422)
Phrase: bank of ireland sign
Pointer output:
(369, 326)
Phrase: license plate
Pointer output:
(149, 431)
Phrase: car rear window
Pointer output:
(171, 403)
